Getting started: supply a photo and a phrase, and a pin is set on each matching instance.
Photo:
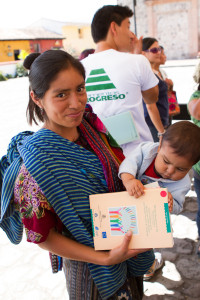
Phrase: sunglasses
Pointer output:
(153, 50)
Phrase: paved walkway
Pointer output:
(25, 269)
(179, 278)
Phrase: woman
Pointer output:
(194, 111)
(157, 114)
(55, 170)
(163, 59)
(85, 53)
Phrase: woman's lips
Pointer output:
(75, 114)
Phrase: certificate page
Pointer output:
(148, 218)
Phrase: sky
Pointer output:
(21, 13)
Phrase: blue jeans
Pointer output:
(197, 190)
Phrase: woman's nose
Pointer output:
(74, 101)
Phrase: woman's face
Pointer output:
(64, 102)
(163, 57)
(154, 58)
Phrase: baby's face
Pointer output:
(170, 165)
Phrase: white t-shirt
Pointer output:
(114, 81)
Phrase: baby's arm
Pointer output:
(133, 186)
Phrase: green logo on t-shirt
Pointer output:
(98, 80)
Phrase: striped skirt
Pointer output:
(81, 286)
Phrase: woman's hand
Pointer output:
(170, 202)
(122, 252)
(65, 247)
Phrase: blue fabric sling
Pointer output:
(67, 174)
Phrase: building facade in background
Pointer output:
(44, 35)
(13, 41)
(77, 36)
(175, 23)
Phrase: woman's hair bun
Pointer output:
(30, 59)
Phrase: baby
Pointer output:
(167, 162)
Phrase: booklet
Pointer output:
(113, 214)
(122, 127)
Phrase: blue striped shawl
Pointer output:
(67, 174)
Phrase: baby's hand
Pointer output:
(134, 187)
(170, 202)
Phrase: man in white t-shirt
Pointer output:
(116, 81)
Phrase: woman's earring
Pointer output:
(41, 111)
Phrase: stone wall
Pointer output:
(174, 23)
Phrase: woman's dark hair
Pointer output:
(44, 69)
(85, 53)
(105, 16)
(184, 138)
(147, 42)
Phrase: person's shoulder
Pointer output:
(100, 56)
(195, 95)
(139, 61)
(85, 60)
(139, 58)
(148, 146)
(184, 182)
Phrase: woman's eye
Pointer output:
(81, 89)
(61, 95)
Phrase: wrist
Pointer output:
(161, 133)
(105, 259)
(125, 177)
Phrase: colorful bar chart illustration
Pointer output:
(123, 219)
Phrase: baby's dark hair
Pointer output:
(44, 68)
(184, 138)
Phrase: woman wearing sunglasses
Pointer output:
(157, 114)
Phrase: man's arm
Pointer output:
(151, 96)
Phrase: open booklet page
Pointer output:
(113, 214)
(122, 127)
